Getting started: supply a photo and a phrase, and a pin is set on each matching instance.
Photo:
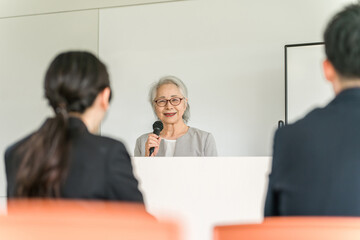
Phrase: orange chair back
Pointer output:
(294, 228)
(69, 219)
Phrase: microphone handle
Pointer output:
(157, 132)
(151, 151)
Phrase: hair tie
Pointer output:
(61, 110)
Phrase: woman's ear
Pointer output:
(105, 98)
(186, 103)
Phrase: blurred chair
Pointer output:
(294, 228)
(73, 219)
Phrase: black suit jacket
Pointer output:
(100, 168)
(316, 162)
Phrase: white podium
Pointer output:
(203, 192)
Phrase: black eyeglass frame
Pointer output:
(168, 101)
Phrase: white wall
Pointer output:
(229, 53)
(307, 87)
(11, 8)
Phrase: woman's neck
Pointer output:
(92, 124)
(174, 130)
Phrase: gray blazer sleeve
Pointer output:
(210, 146)
(139, 150)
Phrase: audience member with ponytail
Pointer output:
(65, 158)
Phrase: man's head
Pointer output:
(342, 47)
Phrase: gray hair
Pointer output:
(170, 80)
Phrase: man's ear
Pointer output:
(329, 71)
(105, 97)
(332, 76)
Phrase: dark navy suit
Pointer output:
(316, 162)
(100, 168)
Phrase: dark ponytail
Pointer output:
(72, 82)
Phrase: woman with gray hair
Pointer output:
(169, 99)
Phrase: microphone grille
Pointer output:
(158, 125)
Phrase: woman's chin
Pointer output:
(170, 120)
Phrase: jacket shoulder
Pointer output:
(199, 132)
(10, 150)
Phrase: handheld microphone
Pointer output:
(157, 128)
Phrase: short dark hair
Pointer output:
(342, 41)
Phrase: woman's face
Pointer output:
(170, 114)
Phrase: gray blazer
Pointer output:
(195, 143)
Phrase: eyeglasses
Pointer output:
(173, 101)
